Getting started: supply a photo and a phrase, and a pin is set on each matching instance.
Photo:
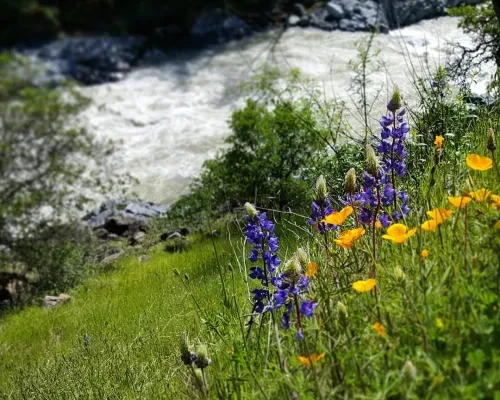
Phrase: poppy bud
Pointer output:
(399, 274)
(395, 102)
(492, 143)
(350, 181)
(409, 371)
(342, 309)
(321, 190)
(372, 164)
(250, 209)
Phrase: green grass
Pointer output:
(441, 314)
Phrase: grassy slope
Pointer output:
(134, 317)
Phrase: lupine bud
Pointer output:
(395, 102)
(187, 357)
(492, 143)
(372, 164)
(250, 209)
(409, 370)
(350, 181)
(202, 360)
(321, 190)
(302, 257)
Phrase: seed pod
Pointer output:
(492, 143)
(395, 102)
(321, 190)
(350, 181)
(202, 359)
(250, 209)
(372, 164)
(409, 371)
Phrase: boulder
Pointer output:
(335, 10)
(300, 10)
(174, 233)
(217, 26)
(51, 302)
(125, 225)
(137, 238)
(113, 257)
(89, 60)
(293, 20)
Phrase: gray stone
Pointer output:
(138, 238)
(335, 10)
(217, 26)
(319, 14)
(51, 302)
(113, 257)
(293, 20)
(143, 259)
(300, 10)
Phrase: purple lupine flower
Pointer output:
(307, 308)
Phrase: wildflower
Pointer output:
(496, 200)
(338, 218)
(497, 224)
(187, 356)
(409, 370)
(479, 163)
(380, 329)
(459, 202)
(424, 254)
(311, 359)
(378, 224)
(347, 238)
(372, 163)
(438, 141)
(364, 286)
(439, 214)
(398, 233)
(430, 225)
(307, 308)
(202, 360)
(312, 268)
(480, 194)
(350, 181)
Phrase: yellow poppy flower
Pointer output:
(479, 163)
(439, 214)
(496, 200)
(312, 268)
(424, 254)
(338, 217)
(364, 286)
(430, 225)
(379, 328)
(439, 142)
(459, 202)
(347, 238)
(311, 359)
(399, 233)
(480, 194)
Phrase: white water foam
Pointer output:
(170, 118)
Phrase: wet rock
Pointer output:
(51, 302)
(335, 10)
(300, 10)
(89, 60)
(218, 26)
(293, 20)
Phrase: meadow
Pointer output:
(389, 289)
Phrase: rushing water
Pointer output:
(169, 118)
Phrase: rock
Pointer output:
(125, 226)
(324, 25)
(174, 233)
(304, 22)
(113, 236)
(293, 20)
(300, 10)
(89, 60)
(319, 14)
(217, 26)
(113, 257)
(138, 238)
(336, 11)
(51, 302)
(128, 211)
(13, 288)
(143, 259)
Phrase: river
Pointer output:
(169, 118)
